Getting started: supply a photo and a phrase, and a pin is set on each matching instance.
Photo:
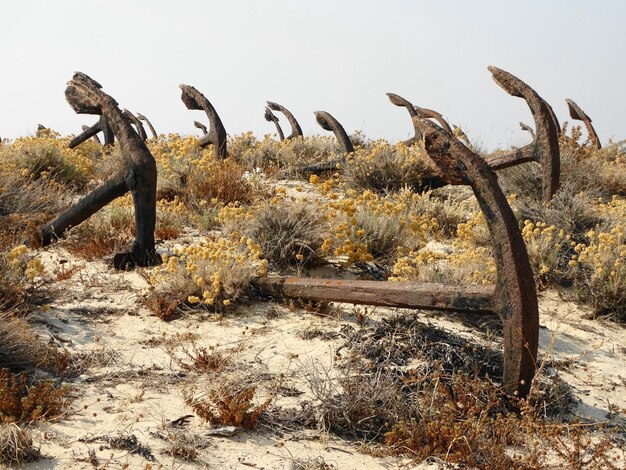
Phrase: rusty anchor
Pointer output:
(578, 114)
(271, 117)
(216, 136)
(513, 298)
(138, 175)
(296, 130)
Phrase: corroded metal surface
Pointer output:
(137, 123)
(404, 103)
(100, 126)
(329, 123)
(527, 128)
(296, 131)
(577, 113)
(545, 146)
(554, 118)
(271, 117)
(515, 298)
(431, 114)
(201, 126)
(474, 299)
(216, 136)
(94, 137)
(138, 175)
(141, 117)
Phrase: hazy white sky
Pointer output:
(339, 56)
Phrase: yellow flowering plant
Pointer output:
(49, 157)
(289, 231)
(213, 273)
(549, 252)
(21, 274)
(601, 267)
(382, 166)
(367, 226)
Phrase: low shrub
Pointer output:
(213, 273)
(601, 270)
(229, 403)
(289, 232)
(385, 167)
(21, 348)
(20, 277)
(103, 234)
(49, 157)
(367, 226)
(20, 403)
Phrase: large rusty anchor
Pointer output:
(138, 175)
(296, 130)
(544, 148)
(271, 117)
(514, 296)
(329, 123)
(216, 136)
(416, 111)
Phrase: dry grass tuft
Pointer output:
(183, 445)
(206, 360)
(26, 203)
(290, 233)
(16, 445)
(224, 182)
(21, 346)
(103, 234)
(409, 389)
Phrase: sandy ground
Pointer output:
(129, 398)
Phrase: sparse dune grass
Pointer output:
(105, 233)
(407, 388)
(22, 348)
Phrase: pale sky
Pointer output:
(339, 56)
